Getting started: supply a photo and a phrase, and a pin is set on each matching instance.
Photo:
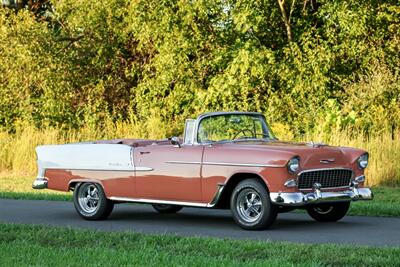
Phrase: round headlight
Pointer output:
(362, 161)
(294, 164)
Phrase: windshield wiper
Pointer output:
(249, 139)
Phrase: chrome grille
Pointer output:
(329, 178)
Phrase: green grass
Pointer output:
(36, 196)
(23, 245)
(21, 184)
(20, 187)
(386, 203)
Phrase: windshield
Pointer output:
(231, 127)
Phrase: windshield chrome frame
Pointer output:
(213, 114)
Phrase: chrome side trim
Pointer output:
(139, 169)
(242, 164)
(217, 196)
(40, 183)
(226, 164)
(143, 169)
(299, 199)
(171, 202)
(183, 162)
(158, 201)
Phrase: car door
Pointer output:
(169, 172)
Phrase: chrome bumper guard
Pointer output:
(39, 183)
(301, 199)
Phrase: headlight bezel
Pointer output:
(362, 161)
(293, 165)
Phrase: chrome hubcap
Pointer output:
(88, 198)
(249, 205)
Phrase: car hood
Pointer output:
(311, 154)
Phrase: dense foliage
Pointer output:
(308, 65)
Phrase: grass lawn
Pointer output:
(21, 188)
(23, 245)
(18, 184)
(385, 203)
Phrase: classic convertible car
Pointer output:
(225, 160)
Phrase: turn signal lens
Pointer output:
(360, 179)
(290, 183)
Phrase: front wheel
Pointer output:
(91, 203)
(251, 206)
(331, 212)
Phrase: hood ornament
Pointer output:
(327, 161)
(315, 144)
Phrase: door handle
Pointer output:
(144, 152)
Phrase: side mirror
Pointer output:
(175, 141)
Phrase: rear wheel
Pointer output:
(331, 212)
(251, 206)
(91, 203)
(165, 208)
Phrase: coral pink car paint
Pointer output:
(225, 160)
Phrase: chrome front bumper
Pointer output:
(39, 183)
(300, 199)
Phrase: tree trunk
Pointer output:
(286, 18)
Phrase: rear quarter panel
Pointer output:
(111, 165)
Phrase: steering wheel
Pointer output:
(244, 132)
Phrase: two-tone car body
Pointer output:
(225, 160)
